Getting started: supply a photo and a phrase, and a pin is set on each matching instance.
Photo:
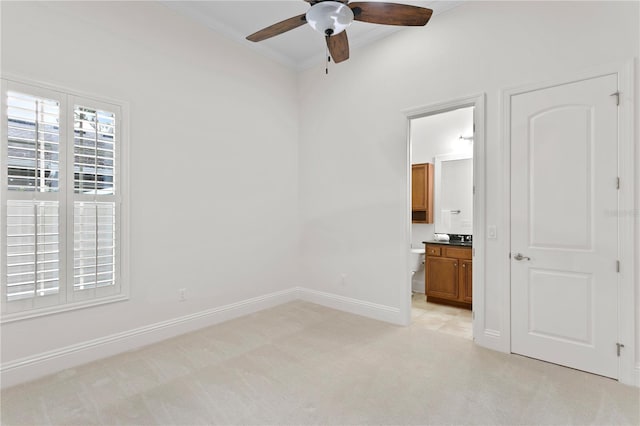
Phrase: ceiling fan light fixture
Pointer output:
(329, 17)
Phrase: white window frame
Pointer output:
(67, 299)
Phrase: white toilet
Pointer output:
(416, 263)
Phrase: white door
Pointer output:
(564, 284)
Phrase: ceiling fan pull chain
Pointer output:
(326, 69)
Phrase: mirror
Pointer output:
(453, 204)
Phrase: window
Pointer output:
(61, 194)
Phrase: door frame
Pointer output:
(479, 103)
(629, 362)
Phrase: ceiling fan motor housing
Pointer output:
(329, 17)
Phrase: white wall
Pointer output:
(353, 130)
(435, 135)
(213, 159)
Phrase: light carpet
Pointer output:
(300, 363)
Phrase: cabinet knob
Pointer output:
(464, 265)
(455, 264)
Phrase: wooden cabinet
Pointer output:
(448, 272)
(465, 280)
(422, 193)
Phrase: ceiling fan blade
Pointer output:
(390, 13)
(318, 1)
(338, 46)
(279, 28)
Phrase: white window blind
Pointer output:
(94, 150)
(61, 201)
(33, 148)
(33, 252)
(32, 217)
(94, 245)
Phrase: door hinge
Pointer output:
(473, 315)
(618, 183)
(617, 95)
(618, 347)
(617, 266)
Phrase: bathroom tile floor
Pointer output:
(445, 319)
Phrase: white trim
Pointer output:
(56, 309)
(635, 377)
(628, 372)
(38, 365)
(504, 344)
(407, 291)
(63, 90)
(3, 185)
(354, 306)
(479, 209)
(491, 339)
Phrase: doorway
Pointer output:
(445, 157)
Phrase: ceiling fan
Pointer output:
(331, 18)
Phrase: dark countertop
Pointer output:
(450, 243)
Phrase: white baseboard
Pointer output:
(354, 306)
(632, 379)
(39, 365)
(490, 339)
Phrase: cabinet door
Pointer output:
(442, 278)
(422, 193)
(418, 187)
(466, 272)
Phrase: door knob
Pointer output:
(519, 256)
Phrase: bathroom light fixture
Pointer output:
(329, 17)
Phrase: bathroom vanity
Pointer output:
(448, 272)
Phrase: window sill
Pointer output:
(34, 313)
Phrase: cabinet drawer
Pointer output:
(433, 250)
(457, 252)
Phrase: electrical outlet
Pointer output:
(183, 294)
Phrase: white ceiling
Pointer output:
(298, 49)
